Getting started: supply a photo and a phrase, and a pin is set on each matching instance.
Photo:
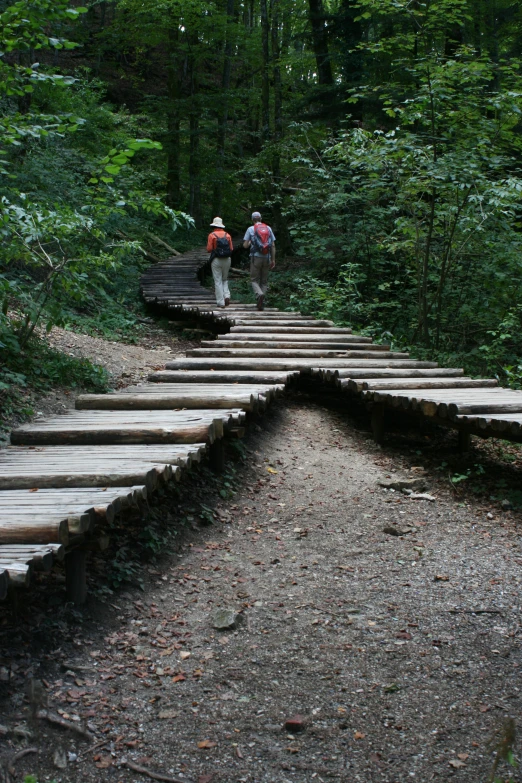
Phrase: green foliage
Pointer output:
(425, 205)
(36, 370)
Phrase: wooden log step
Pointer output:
(31, 477)
(193, 363)
(225, 376)
(298, 353)
(268, 317)
(106, 427)
(80, 498)
(420, 383)
(330, 345)
(391, 372)
(21, 477)
(70, 456)
(501, 424)
(269, 328)
(23, 529)
(452, 410)
(307, 337)
(166, 401)
(207, 392)
(19, 573)
(41, 557)
(448, 403)
(291, 322)
(37, 563)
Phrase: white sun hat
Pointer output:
(217, 223)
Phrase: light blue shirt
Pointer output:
(249, 237)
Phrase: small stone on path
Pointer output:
(297, 723)
(418, 484)
(224, 619)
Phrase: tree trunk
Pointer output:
(280, 223)
(173, 118)
(265, 83)
(194, 161)
(223, 115)
(320, 42)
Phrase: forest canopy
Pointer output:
(380, 138)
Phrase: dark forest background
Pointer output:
(380, 138)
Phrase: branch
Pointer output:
(151, 774)
(64, 724)
(150, 256)
(162, 242)
(17, 756)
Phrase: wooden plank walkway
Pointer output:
(64, 478)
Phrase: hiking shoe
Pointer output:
(261, 302)
(227, 301)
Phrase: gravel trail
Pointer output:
(401, 653)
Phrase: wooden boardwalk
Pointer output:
(66, 477)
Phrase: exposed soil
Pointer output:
(401, 652)
(126, 364)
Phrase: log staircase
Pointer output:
(65, 478)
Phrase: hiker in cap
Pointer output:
(261, 241)
(220, 247)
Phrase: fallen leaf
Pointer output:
(271, 470)
(359, 735)
(104, 762)
(463, 756)
(456, 763)
(292, 749)
(184, 655)
(166, 714)
(484, 708)
(206, 778)
(178, 678)
(206, 744)
(441, 578)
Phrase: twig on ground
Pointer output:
(64, 724)
(151, 774)
(96, 746)
(17, 756)
(474, 611)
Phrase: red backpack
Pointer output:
(262, 241)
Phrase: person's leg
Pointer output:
(263, 277)
(255, 267)
(217, 274)
(225, 270)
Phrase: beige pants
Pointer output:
(259, 274)
(220, 268)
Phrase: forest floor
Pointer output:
(390, 625)
(125, 363)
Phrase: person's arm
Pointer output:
(211, 241)
(246, 240)
(230, 241)
(272, 251)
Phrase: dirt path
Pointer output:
(402, 653)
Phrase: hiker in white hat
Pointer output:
(220, 247)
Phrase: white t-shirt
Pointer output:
(249, 237)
